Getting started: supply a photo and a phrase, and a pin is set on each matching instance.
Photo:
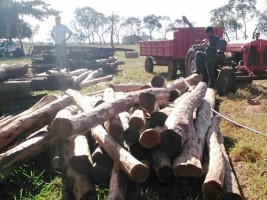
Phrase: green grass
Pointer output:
(247, 150)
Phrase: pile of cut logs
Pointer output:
(16, 82)
(108, 138)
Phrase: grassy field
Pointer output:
(247, 150)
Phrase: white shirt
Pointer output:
(59, 32)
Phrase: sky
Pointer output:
(197, 11)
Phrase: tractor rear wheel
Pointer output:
(190, 66)
(149, 65)
(172, 70)
(226, 80)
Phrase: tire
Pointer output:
(226, 80)
(172, 70)
(190, 66)
(149, 65)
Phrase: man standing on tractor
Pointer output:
(58, 34)
(205, 61)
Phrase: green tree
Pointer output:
(12, 15)
(165, 25)
(133, 25)
(151, 22)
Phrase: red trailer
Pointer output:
(172, 53)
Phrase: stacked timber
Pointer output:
(125, 135)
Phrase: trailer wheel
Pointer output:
(149, 65)
(172, 70)
(226, 80)
(190, 65)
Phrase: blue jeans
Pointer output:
(61, 55)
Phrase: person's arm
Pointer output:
(69, 33)
(52, 34)
(214, 43)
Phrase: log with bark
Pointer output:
(10, 159)
(95, 81)
(172, 139)
(81, 160)
(126, 87)
(94, 74)
(81, 77)
(118, 184)
(38, 119)
(81, 184)
(231, 186)
(162, 165)
(15, 88)
(212, 187)
(77, 72)
(179, 84)
(188, 164)
(134, 168)
(137, 120)
(17, 70)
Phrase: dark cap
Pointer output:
(209, 29)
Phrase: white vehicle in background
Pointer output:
(8, 47)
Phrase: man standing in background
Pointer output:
(58, 34)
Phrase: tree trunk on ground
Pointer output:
(81, 182)
(38, 119)
(231, 187)
(15, 88)
(95, 81)
(8, 71)
(189, 163)
(101, 157)
(179, 84)
(25, 150)
(126, 87)
(212, 187)
(136, 170)
(81, 77)
(124, 118)
(174, 94)
(137, 120)
(118, 184)
(81, 123)
(162, 165)
(149, 138)
(77, 72)
(114, 129)
(42, 102)
(81, 160)
(94, 74)
(172, 140)
(131, 136)
(158, 81)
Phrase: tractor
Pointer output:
(240, 61)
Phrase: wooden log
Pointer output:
(42, 102)
(174, 94)
(77, 72)
(158, 118)
(81, 77)
(212, 187)
(95, 81)
(93, 75)
(162, 165)
(138, 151)
(16, 87)
(80, 182)
(100, 156)
(83, 122)
(131, 136)
(188, 164)
(158, 81)
(115, 129)
(109, 95)
(126, 87)
(137, 120)
(193, 79)
(81, 160)
(172, 140)
(10, 159)
(148, 100)
(38, 118)
(149, 138)
(100, 93)
(231, 187)
(136, 170)
(118, 184)
(38, 132)
(17, 70)
(124, 118)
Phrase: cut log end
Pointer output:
(188, 170)
(174, 94)
(212, 190)
(131, 136)
(139, 173)
(147, 101)
(149, 138)
(158, 81)
(62, 127)
(158, 118)
(170, 143)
